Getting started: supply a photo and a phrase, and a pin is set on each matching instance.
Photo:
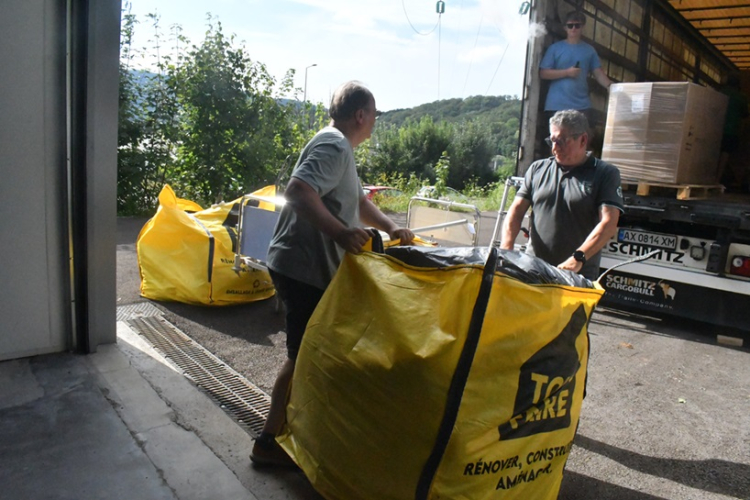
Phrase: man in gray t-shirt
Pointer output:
(323, 218)
(576, 200)
(299, 249)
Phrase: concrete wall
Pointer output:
(32, 188)
(35, 298)
(101, 170)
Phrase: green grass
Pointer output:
(484, 199)
(398, 204)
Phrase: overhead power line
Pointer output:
(497, 69)
(501, 57)
(403, 4)
(473, 51)
(440, 9)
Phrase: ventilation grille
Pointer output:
(240, 399)
(139, 310)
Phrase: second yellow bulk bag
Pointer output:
(187, 254)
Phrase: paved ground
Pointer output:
(123, 424)
(667, 415)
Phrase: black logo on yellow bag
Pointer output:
(546, 385)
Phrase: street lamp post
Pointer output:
(304, 95)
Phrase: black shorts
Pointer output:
(300, 300)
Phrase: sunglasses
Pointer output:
(572, 26)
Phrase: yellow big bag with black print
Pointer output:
(186, 254)
(446, 373)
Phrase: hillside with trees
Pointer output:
(487, 109)
(501, 115)
(469, 132)
(214, 124)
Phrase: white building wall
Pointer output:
(35, 300)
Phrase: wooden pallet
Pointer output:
(679, 191)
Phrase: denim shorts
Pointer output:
(300, 300)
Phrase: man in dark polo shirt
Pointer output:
(576, 200)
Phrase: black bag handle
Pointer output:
(458, 381)
(377, 240)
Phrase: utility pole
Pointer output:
(304, 95)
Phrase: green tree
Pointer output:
(499, 115)
(162, 114)
(471, 151)
(210, 121)
(235, 133)
(416, 148)
(413, 148)
(148, 123)
(442, 171)
(131, 122)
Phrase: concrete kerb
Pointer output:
(200, 450)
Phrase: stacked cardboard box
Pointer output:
(665, 132)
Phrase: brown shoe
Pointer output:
(271, 455)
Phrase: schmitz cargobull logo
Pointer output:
(546, 385)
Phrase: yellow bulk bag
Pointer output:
(186, 254)
(426, 374)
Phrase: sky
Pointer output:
(402, 50)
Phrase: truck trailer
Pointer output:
(701, 269)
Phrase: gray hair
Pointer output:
(574, 122)
(349, 98)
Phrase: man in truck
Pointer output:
(567, 64)
(576, 200)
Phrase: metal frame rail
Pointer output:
(471, 211)
(515, 182)
(255, 257)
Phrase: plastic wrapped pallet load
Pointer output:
(665, 132)
(441, 374)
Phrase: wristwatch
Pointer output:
(579, 256)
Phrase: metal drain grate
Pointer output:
(137, 310)
(242, 400)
